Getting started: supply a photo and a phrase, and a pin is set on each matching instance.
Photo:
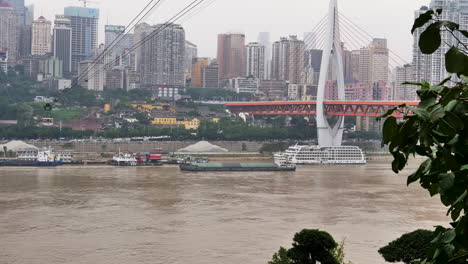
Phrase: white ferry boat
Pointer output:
(312, 155)
(124, 159)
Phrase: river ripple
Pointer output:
(162, 215)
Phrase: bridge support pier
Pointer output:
(331, 134)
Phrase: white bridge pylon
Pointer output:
(331, 134)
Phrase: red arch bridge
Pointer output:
(332, 108)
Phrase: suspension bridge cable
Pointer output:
(402, 61)
(119, 38)
(173, 19)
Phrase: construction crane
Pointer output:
(87, 1)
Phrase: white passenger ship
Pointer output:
(310, 155)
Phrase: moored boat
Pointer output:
(123, 159)
(44, 158)
(236, 167)
(316, 155)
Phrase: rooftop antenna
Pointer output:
(86, 1)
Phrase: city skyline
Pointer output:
(297, 19)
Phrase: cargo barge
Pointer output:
(43, 158)
(236, 167)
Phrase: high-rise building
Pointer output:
(355, 58)
(18, 5)
(111, 34)
(373, 62)
(288, 60)
(296, 60)
(404, 92)
(54, 68)
(160, 58)
(264, 39)
(29, 15)
(24, 41)
(197, 67)
(3, 60)
(115, 79)
(92, 80)
(231, 55)
(116, 43)
(255, 60)
(431, 67)
(280, 60)
(41, 38)
(84, 24)
(191, 53)
(9, 32)
(210, 75)
(62, 43)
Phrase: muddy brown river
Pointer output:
(111, 215)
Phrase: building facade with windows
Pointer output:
(84, 24)
(161, 55)
(41, 40)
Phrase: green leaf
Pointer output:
(448, 236)
(430, 40)
(439, 10)
(461, 198)
(451, 105)
(464, 33)
(454, 121)
(388, 113)
(390, 129)
(446, 129)
(423, 168)
(445, 81)
(434, 189)
(399, 162)
(413, 83)
(455, 61)
(450, 25)
(446, 181)
(422, 20)
(421, 113)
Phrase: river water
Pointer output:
(162, 215)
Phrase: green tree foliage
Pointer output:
(77, 96)
(280, 257)
(309, 247)
(142, 118)
(32, 132)
(438, 130)
(409, 247)
(217, 94)
(274, 147)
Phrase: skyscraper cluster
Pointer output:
(431, 68)
(159, 57)
(67, 49)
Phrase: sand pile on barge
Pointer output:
(16, 145)
(203, 147)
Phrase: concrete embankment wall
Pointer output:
(173, 146)
(166, 146)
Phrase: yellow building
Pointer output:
(197, 71)
(107, 108)
(147, 108)
(172, 121)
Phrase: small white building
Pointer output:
(244, 85)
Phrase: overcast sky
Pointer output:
(391, 19)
